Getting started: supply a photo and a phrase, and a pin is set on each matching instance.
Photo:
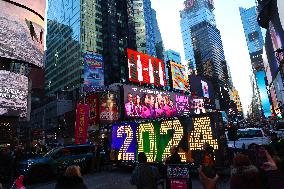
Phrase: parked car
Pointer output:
(249, 136)
(57, 160)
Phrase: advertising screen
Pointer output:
(108, 108)
(93, 71)
(157, 137)
(200, 87)
(179, 76)
(260, 78)
(93, 102)
(149, 103)
(146, 69)
(13, 94)
(22, 30)
(82, 122)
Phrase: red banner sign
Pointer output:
(82, 122)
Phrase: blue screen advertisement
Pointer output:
(260, 75)
(93, 70)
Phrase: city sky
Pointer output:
(230, 25)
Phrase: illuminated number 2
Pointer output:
(147, 127)
(122, 154)
(177, 136)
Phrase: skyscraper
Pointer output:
(255, 44)
(203, 46)
(158, 37)
(117, 37)
(73, 29)
(194, 12)
(145, 35)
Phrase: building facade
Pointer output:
(159, 45)
(73, 29)
(194, 12)
(145, 35)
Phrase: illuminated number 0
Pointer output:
(122, 154)
(147, 127)
(177, 136)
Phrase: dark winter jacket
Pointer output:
(174, 159)
(275, 179)
(70, 182)
(145, 176)
(245, 177)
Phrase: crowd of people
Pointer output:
(149, 106)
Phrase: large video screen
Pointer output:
(150, 103)
(146, 69)
(179, 77)
(22, 30)
(260, 78)
(157, 137)
(13, 94)
(108, 108)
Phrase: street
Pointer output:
(114, 179)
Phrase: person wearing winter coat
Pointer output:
(244, 174)
(71, 180)
(144, 176)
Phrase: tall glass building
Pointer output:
(159, 45)
(74, 27)
(255, 44)
(145, 35)
(194, 12)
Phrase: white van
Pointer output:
(249, 136)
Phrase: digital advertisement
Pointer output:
(93, 101)
(13, 94)
(82, 122)
(108, 108)
(179, 77)
(146, 69)
(22, 30)
(93, 71)
(148, 103)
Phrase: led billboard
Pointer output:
(145, 69)
(13, 94)
(260, 79)
(179, 77)
(93, 71)
(22, 30)
(108, 108)
(150, 103)
(155, 138)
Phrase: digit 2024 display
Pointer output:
(146, 69)
(156, 138)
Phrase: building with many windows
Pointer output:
(145, 34)
(159, 45)
(73, 28)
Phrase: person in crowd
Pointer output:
(167, 108)
(207, 161)
(129, 105)
(174, 158)
(1, 187)
(144, 176)
(137, 106)
(208, 183)
(275, 177)
(72, 179)
(146, 112)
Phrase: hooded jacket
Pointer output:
(245, 177)
(70, 182)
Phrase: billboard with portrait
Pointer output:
(108, 108)
(145, 69)
(93, 101)
(13, 94)
(93, 71)
(179, 77)
(22, 30)
(150, 103)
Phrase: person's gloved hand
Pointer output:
(207, 183)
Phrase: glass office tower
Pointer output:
(74, 27)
